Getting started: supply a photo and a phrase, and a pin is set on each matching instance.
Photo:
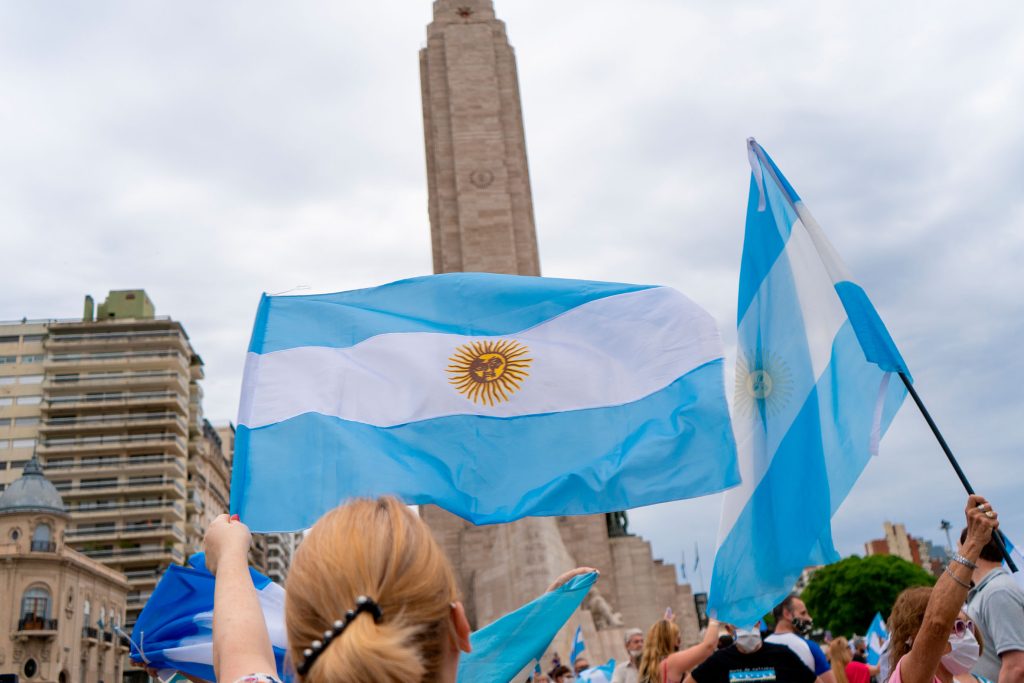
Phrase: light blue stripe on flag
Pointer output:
(619, 401)
(810, 406)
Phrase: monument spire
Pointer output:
(481, 209)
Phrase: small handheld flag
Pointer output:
(459, 390)
(598, 674)
(876, 636)
(578, 646)
(815, 391)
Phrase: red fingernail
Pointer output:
(233, 518)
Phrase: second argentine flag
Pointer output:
(493, 396)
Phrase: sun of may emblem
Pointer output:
(768, 384)
(488, 372)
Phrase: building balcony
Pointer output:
(134, 555)
(143, 576)
(57, 470)
(116, 509)
(118, 380)
(108, 360)
(90, 633)
(112, 443)
(91, 489)
(44, 547)
(58, 425)
(32, 626)
(137, 599)
(169, 400)
(126, 533)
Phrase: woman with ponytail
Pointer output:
(370, 597)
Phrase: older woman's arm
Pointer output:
(947, 599)
(241, 644)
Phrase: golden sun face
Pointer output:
(765, 385)
(489, 372)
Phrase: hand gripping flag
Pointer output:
(174, 632)
(493, 396)
(814, 393)
(876, 637)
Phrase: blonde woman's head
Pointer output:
(662, 639)
(380, 549)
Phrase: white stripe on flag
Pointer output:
(608, 352)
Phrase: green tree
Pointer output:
(843, 597)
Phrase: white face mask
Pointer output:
(635, 653)
(964, 655)
(748, 641)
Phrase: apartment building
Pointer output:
(112, 404)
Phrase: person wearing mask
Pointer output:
(370, 597)
(792, 626)
(996, 603)
(860, 650)
(752, 659)
(581, 664)
(931, 638)
(662, 662)
(628, 671)
(844, 668)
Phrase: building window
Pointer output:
(30, 379)
(35, 605)
(29, 400)
(29, 338)
(25, 421)
(22, 443)
(9, 340)
(5, 422)
(15, 534)
(6, 401)
(31, 668)
(8, 360)
(42, 539)
(32, 359)
(7, 380)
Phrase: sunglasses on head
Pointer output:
(960, 627)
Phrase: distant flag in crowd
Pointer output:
(682, 565)
(578, 646)
(174, 632)
(696, 557)
(815, 391)
(598, 674)
(876, 636)
(459, 390)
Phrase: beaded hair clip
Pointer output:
(363, 604)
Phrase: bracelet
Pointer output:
(957, 557)
(953, 576)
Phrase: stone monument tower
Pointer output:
(481, 219)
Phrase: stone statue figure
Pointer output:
(604, 615)
(618, 524)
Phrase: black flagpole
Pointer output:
(998, 536)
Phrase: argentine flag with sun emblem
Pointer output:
(816, 387)
(493, 396)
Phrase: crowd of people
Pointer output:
(371, 597)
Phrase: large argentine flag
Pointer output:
(493, 396)
(815, 390)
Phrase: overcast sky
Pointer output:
(208, 152)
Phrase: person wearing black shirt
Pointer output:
(760, 663)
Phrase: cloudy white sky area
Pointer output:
(208, 152)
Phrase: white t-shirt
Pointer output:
(800, 647)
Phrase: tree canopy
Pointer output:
(843, 597)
